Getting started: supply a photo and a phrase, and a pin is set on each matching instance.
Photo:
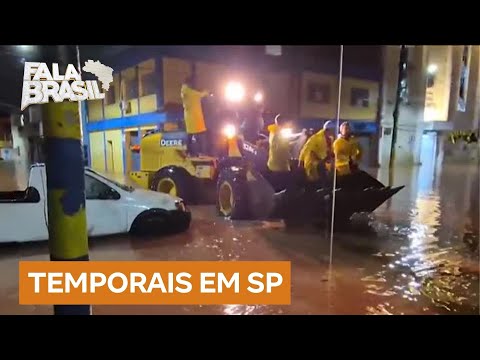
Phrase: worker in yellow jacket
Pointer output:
(193, 115)
(316, 155)
(279, 153)
(347, 151)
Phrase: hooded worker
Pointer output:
(193, 114)
(347, 151)
(279, 147)
(279, 155)
(317, 153)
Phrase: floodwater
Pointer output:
(418, 254)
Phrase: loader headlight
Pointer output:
(229, 131)
(234, 92)
(258, 97)
(286, 132)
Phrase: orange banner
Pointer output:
(154, 282)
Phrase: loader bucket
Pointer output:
(349, 202)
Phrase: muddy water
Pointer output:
(418, 254)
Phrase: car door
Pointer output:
(15, 215)
(105, 213)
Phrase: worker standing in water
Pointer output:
(193, 115)
(316, 156)
(347, 151)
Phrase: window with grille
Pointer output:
(359, 97)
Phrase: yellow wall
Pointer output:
(148, 104)
(329, 110)
(349, 112)
(97, 151)
(114, 151)
(174, 73)
(95, 112)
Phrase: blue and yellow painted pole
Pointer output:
(67, 223)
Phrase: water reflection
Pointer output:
(431, 268)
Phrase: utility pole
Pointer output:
(402, 72)
(378, 118)
(67, 222)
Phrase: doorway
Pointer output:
(428, 159)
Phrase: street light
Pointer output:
(432, 68)
(24, 48)
(234, 92)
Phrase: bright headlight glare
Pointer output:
(286, 132)
(258, 97)
(234, 92)
(229, 131)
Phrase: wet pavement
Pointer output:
(418, 254)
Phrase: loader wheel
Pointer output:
(232, 199)
(176, 182)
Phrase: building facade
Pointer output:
(441, 95)
(146, 92)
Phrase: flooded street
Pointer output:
(418, 254)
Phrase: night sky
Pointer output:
(356, 58)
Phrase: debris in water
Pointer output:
(380, 254)
(373, 279)
(374, 287)
(379, 310)
(385, 293)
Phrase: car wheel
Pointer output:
(149, 223)
(232, 197)
(176, 182)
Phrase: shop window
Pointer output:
(131, 89)
(110, 95)
(149, 85)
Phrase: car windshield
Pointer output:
(125, 187)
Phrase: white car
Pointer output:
(112, 208)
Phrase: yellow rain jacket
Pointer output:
(192, 109)
(346, 150)
(279, 151)
(314, 150)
